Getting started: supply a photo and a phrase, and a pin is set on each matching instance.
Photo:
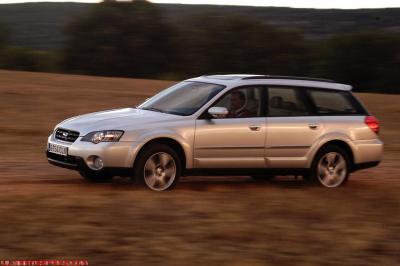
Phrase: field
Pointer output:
(50, 213)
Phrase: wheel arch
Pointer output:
(341, 144)
(173, 143)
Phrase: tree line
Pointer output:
(133, 39)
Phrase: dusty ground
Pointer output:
(47, 212)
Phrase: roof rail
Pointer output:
(218, 73)
(288, 77)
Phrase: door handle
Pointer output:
(254, 128)
(313, 125)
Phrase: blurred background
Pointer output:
(171, 41)
(116, 54)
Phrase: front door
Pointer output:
(237, 140)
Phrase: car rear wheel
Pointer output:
(330, 167)
(158, 167)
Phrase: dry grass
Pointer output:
(47, 212)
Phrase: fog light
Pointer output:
(95, 163)
(98, 163)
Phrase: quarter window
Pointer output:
(332, 102)
(284, 101)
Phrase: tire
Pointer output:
(262, 177)
(158, 167)
(331, 167)
(95, 177)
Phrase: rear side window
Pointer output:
(334, 102)
(285, 101)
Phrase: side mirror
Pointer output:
(218, 112)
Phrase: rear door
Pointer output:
(291, 127)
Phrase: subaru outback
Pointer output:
(255, 125)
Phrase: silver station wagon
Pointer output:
(254, 125)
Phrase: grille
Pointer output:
(66, 135)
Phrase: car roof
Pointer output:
(231, 80)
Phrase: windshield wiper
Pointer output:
(161, 111)
(152, 109)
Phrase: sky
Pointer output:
(345, 4)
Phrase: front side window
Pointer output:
(184, 98)
(285, 101)
(333, 102)
(242, 102)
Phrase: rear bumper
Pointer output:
(361, 166)
(368, 152)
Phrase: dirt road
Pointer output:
(47, 212)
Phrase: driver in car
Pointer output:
(238, 105)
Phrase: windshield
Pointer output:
(184, 98)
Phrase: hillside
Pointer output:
(40, 25)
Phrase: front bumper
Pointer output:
(78, 164)
(69, 162)
(114, 154)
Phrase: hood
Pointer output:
(118, 119)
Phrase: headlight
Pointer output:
(103, 136)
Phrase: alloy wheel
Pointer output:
(160, 171)
(332, 169)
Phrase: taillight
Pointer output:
(372, 123)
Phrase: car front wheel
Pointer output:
(158, 167)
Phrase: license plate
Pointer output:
(58, 149)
